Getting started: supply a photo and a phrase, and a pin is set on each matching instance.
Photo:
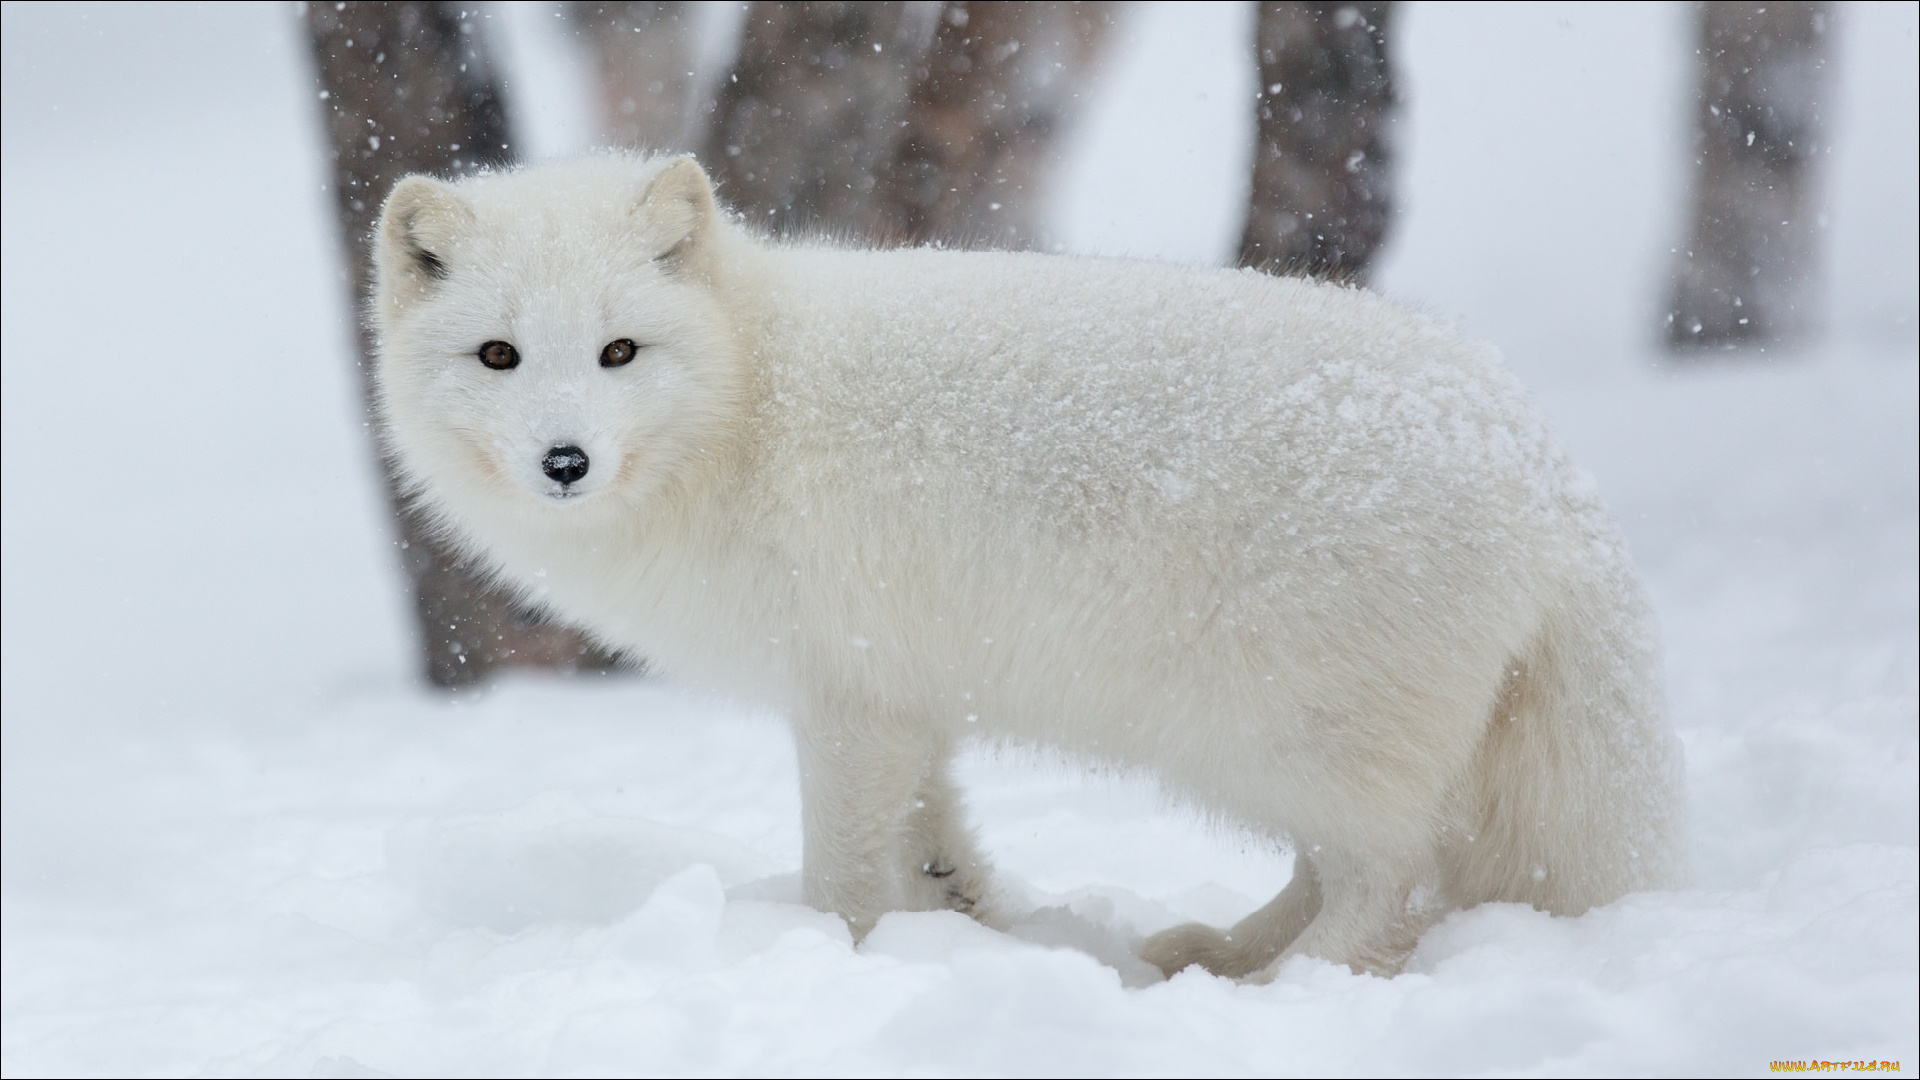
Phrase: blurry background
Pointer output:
(240, 835)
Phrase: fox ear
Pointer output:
(420, 225)
(677, 210)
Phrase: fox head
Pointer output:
(551, 341)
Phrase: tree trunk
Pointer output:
(998, 85)
(1746, 273)
(643, 52)
(808, 121)
(406, 88)
(1322, 194)
(898, 123)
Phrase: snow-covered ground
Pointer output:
(238, 839)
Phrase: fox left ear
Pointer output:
(677, 209)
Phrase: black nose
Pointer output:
(565, 464)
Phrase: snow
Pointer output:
(238, 839)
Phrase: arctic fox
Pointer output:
(1308, 557)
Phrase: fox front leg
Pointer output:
(861, 773)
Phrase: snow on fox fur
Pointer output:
(1308, 557)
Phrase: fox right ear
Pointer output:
(420, 225)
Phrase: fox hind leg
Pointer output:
(942, 866)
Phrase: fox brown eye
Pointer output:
(499, 355)
(618, 352)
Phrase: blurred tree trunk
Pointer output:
(1322, 191)
(807, 121)
(997, 86)
(1746, 273)
(898, 123)
(643, 54)
(406, 88)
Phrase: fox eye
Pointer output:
(499, 355)
(618, 352)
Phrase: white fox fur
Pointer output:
(1310, 558)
